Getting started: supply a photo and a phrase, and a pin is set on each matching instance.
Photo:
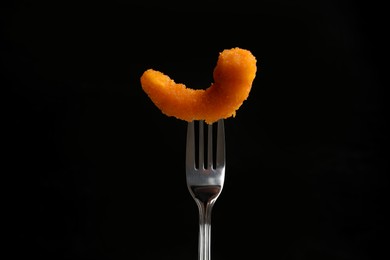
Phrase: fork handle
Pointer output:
(205, 209)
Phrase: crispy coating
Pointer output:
(233, 77)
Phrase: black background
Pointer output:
(97, 171)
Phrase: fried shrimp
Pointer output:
(233, 77)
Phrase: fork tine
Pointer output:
(190, 147)
(201, 145)
(210, 146)
(220, 161)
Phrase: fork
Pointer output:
(205, 182)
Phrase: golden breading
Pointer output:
(233, 78)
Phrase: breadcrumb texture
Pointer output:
(233, 77)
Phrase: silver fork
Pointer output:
(205, 182)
